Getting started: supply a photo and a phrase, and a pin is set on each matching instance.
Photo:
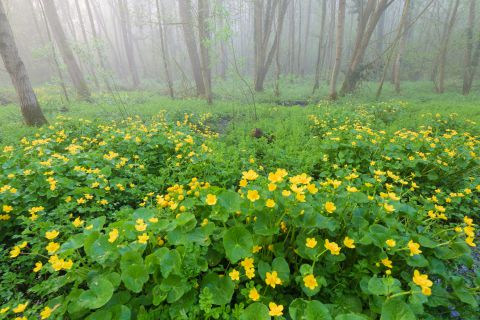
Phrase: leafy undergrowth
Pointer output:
(144, 220)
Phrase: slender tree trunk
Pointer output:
(204, 36)
(339, 49)
(165, 57)
(467, 62)
(185, 10)
(128, 41)
(72, 67)
(320, 47)
(306, 42)
(442, 57)
(29, 106)
(55, 58)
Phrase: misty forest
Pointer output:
(239, 159)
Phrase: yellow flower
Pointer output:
(270, 203)
(50, 235)
(423, 281)
(250, 273)
(275, 310)
(352, 189)
(467, 220)
(387, 263)
(414, 248)
(45, 313)
(7, 208)
(391, 243)
(247, 263)
(38, 266)
(211, 199)
(253, 294)
(256, 249)
(272, 279)
(249, 175)
(15, 252)
(311, 243)
(243, 183)
(4, 310)
(77, 223)
(253, 195)
(349, 243)
(113, 235)
(469, 241)
(143, 238)
(52, 247)
(23, 244)
(330, 207)
(234, 275)
(272, 187)
(20, 308)
(333, 247)
(388, 207)
(286, 193)
(310, 282)
(140, 225)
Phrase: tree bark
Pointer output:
(185, 11)
(73, 69)
(126, 28)
(339, 49)
(29, 106)
(316, 85)
(467, 62)
(204, 36)
(165, 56)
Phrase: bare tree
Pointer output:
(165, 57)
(73, 69)
(467, 62)
(32, 114)
(204, 35)
(320, 46)
(367, 21)
(339, 48)
(264, 13)
(126, 28)
(185, 10)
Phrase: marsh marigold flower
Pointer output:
(113, 235)
(253, 294)
(414, 248)
(50, 235)
(349, 243)
(249, 175)
(275, 310)
(330, 207)
(52, 247)
(423, 281)
(211, 199)
(272, 279)
(387, 263)
(20, 308)
(234, 275)
(391, 243)
(38, 266)
(143, 238)
(270, 203)
(253, 195)
(333, 247)
(45, 313)
(310, 282)
(15, 252)
(311, 243)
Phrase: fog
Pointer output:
(187, 48)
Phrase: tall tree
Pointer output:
(165, 56)
(126, 28)
(204, 35)
(338, 48)
(467, 62)
(439, 71)
(320, 47)
(185, 11)
(73, 69)
(29, 106)
(367, 21)
(264, 14)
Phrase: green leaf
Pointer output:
(396, 310)
(238, 243)
(220, 287)
(317, 311)
(383, 286)
(351, 316)
(281, 266)
(99, 293)
(134, 277)
(257, 311)
(230, 201)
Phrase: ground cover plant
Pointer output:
(337, 213)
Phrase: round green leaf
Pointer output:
(257, 311)
(238, 243)
(100, 292)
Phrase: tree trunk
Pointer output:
(320, 47)
(165, 57)
(467, 62)
(442, 57)
(185, 10)
(128, 41)
(32, 114)
(59, 35)
(307, 33)
(204, 36)
(338, 49)
(368, 19)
